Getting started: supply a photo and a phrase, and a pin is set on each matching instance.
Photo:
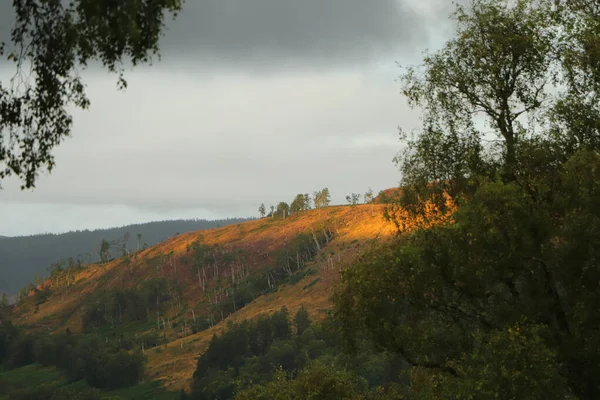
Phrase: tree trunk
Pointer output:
(318, 246)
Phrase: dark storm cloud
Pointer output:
(303, 31)
(291, 33)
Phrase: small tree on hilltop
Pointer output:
(262, 210)
(283, 209)
(353, 199)
(307, 201)
(322, 198)
(299, 203)
(368, 196)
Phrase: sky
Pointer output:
(253, 101)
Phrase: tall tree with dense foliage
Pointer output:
(104, 252)
(480, 95)
(301, 202)
(301, 321)
(49, 42)
(502, 301)
(283, 210)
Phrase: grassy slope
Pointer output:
(175, 362)
(37, 375)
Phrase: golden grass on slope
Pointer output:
(260, 240)
(174, 363)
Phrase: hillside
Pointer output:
(22, 257)
(178, 293)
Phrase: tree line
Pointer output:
(253, 359)
(303, 201)
(89, 359)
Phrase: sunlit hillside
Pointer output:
(266, 263)
(291, 262)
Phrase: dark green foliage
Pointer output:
(241, 345)
(301, 321)
(301, 203)
(499, 302)
(282, 210)
(119, 306)
(104, 252)
(8, 334)
(252, 352)
(319, 381)
(35, 382)
(21, 350)
(503, 301)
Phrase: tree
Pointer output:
(126, 237)
(301, 320)
(497, 301)
(353, 199)
(50, 41)
(283, 209)
(300, 203)
(576, 113)
(321, 198)
(317, 381)
(368, 196)
(508, 52)
(139, 238)
(104, 252)
(262, 210)
(123, 246)
(272, 211)
(307, 200)
(494, 291)
(5, 302)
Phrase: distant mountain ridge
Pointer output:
(22, 257)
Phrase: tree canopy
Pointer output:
(49, 41)
(500, 302)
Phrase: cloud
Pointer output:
(254, 101)
(267, 35)
(225, 143)
(262, 33)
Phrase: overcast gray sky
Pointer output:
(253, 101)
